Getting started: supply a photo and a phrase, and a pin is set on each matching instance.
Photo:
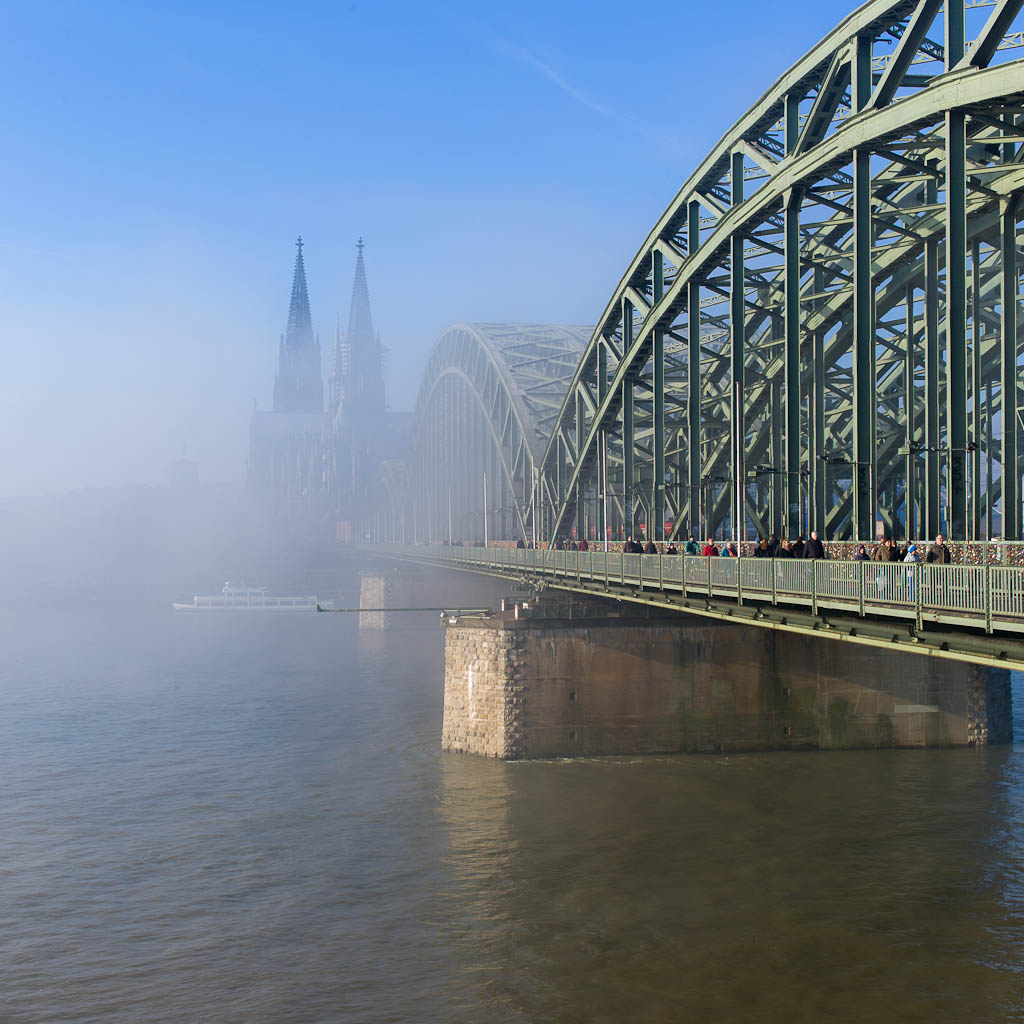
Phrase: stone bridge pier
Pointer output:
(386, 591)
(594, 679)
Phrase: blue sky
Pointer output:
(502, 163)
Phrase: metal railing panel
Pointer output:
(794, 578)
(954, 588)
(672, 569)
(889, 583)
(837, 581)
(695, 569)
(755, 575)
(649, 563)
(723, 574)
(1007, 592)
(630, 567)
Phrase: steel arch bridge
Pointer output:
(489, 399)
(822, 328)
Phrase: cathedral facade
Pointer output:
(316, 463)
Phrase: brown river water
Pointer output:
(249, 819)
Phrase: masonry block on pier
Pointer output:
(408, 587)
(377, 590)
(553, 687)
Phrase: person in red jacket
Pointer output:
(709, 548)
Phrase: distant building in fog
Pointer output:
(309, 462)
(363, 433)
(283, 444)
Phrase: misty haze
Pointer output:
(512, 513)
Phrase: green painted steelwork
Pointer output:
(820, 332)
(822, 326)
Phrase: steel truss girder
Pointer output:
(725, 285)
(488, 400)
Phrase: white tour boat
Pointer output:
(235, 598)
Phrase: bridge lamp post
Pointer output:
(909, 451)
(842, 460)
(533, 506)
(916, 447)
(677, 481)
(706, 482)
(759, 471)
(604, 488)
(693, 525)
(637, 505)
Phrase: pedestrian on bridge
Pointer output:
(884, 551)
(814, 548)
(650, 549)
(729, 550)
(938, 553)
(861, 554)
(584, 544)
(692, 547)
(797, 547)
(709, 549)
(785, 551)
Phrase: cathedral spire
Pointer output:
(300, 324)
(363, 379)
(360, 324)
(299, 384)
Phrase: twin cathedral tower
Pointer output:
(320, 463)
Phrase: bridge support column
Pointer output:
(589, 682)
(1010, 476)
(381, 590)
(697, 525)
(989, 712)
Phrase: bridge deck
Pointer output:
(974, 612)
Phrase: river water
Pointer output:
(249, 819)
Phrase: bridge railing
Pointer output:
(987, 597)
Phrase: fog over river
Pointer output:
(248, 818)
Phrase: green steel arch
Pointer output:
(488, 400)
(821, 331)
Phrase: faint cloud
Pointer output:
(501, 44)
(570, 90)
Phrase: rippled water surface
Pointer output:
(249, 819)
